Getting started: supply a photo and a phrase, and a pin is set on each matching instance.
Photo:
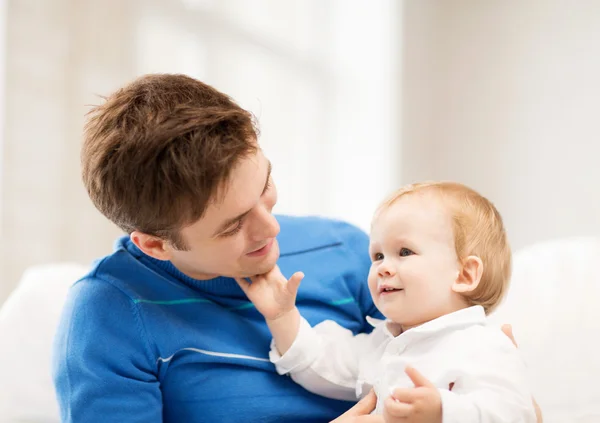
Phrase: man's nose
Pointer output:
(265, 225)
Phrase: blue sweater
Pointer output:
(141, 342)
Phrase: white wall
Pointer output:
(320, 76)
(504, 95)
(3, 7)
(500, 94)
(60, 55)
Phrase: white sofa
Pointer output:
(28, 321)
(552, 305)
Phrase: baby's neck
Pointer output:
(396, 328)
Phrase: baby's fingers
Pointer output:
(294, 281)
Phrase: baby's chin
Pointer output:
(401, 323)
(394, 328)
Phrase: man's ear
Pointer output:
(469, 276)
(151, 245)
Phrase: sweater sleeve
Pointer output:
(103, 367)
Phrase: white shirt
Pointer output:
(489, 376)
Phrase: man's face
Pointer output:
(236, 235)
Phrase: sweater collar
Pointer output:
(220, 286)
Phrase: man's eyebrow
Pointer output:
(231, 221)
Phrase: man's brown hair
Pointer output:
(158, 150)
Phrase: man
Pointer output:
(159, 331)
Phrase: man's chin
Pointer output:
(265, 264)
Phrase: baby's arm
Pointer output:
(323, 359)
(275, 298)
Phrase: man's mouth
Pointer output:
(262, 250)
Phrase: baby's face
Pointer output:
(414, 262)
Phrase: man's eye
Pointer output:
(235, 230)
(405, 252)
(377, 256)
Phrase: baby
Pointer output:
(440, 263)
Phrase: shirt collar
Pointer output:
(470, 316)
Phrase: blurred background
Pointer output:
(354, 99)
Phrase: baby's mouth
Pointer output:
(389, 290)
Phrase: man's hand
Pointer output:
(507, 329)
(421, 404)
(271, 293)
(360, 413)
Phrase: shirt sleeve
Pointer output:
(102, 366)
(492, 387)
(324, 360)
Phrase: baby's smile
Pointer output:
(387, 289)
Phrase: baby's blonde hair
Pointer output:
(478, 231)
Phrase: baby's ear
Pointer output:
(469, 276)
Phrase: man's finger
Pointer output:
(368, 419)
(405, 395)
(364, 406)
(396, 408)
(417, 378)
(507, 329)
(294, 281)
(361, 408)
(538, 411)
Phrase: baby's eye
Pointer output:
(377, 256)
(405, 252)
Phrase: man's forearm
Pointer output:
(285, 329)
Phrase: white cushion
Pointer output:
(28, 321)
(553, 305)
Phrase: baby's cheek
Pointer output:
(372, 278)
(373, 290)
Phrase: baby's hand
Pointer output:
(271, 293)
(421, 404)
